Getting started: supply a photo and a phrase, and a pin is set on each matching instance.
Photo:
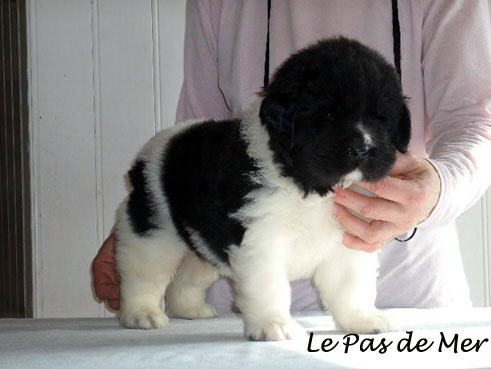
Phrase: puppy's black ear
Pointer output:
(403, 133)
(276, 114)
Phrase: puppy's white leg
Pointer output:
(263, 289)
(146, 265)
(347, 286)
(186, 295)
(263, 297)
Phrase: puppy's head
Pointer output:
(335, 111)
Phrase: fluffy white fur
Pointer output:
(287, 237)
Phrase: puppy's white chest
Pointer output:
(311, 220)
(313, 232)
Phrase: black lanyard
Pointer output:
(396, 33)
(266, 57)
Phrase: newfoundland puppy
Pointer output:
(252, 198)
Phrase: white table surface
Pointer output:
(218, 343)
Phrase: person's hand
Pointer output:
(106, 278)
(405, 198)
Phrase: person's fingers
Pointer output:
(369, 207)
(356, 243)
(389, 188)
(104, 272)
(114, 304)
(371, 233)
(108, 290)
(108, 248)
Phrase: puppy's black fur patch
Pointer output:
(139, 201)
(207, 174)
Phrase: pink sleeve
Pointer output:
(457, 78)
(200, 96)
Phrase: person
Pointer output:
(446, 75)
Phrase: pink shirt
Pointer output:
(446, 73)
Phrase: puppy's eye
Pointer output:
(329, 117)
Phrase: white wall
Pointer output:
(105, 76)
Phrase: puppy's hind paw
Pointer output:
(275, 330)
(205, 311)
(372, 322)
(145, 318)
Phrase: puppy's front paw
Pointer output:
(366, 322)
(275, 330)
(144, 318)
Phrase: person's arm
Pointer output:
(200, 96)
(457, 77)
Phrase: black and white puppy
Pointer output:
(251, 198)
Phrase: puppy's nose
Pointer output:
(361, 152)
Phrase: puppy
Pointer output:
(251, 198)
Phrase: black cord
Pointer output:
(410, 237)
(396, 33)
(266, 57)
